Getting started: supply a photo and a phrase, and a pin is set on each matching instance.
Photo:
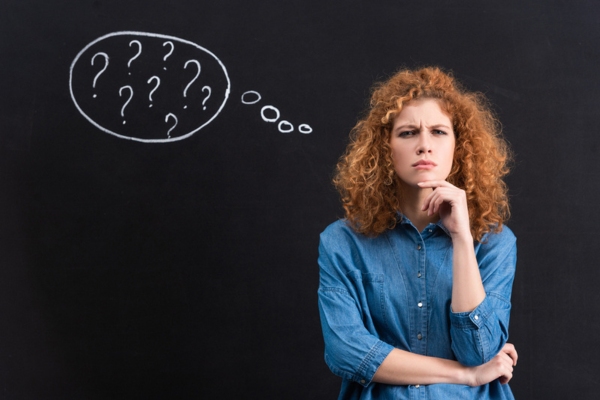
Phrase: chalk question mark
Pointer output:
(173, 127)
(206, 98)
(169, 53)
(138, 53)
(128, 100)
(195, 77)
(103, 69)
(155, 87)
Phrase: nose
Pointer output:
(424, 143)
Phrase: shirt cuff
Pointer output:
(371, 362)
(472, 319)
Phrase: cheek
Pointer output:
(450, 156)
(449, 151)
(399, 152)
(397, 158)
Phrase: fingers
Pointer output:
(505, 379)
(437, 198)
(500, 367)
(508, 357)
(510, 350)
(450, 203)
(435, 184)
(505, 367)
(442, 194)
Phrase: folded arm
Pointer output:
(405, 368)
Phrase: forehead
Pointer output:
(425, 110)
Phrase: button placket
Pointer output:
(420, 295)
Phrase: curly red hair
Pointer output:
(365, 175)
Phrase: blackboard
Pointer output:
(143, 262)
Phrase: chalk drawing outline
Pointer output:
(207, 96)
(103, 69)
(284, 122)
(305, 129)
(251, 102)
(167, 120)
(154, 35)
(128, 100)
(137, 54)
(194, 78)
(155, 87)
(169, 53)
(283, 126)
(262, 113)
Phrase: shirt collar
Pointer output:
(401, 219)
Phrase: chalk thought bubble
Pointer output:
(148, 87)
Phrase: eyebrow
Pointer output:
(413, 126)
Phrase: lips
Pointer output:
(424, 164)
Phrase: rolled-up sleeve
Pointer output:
(351, 350)
(477, 336)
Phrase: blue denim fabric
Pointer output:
(394, 290)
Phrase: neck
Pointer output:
(411, 202)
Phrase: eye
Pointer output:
(439, 132)
(406, 133)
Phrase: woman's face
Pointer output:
(422, 142)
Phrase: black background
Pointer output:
(188, 269)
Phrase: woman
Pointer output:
(415, 282)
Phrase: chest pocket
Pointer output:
(368, 291)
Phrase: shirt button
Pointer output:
(419, 274)
(417, 386)
(430, 230)
(476, 317)
(362, 381)
(419, 247)
(420, 304)
(419, 336)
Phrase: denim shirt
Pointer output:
(394, 291)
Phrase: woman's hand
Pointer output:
(499, 367)
(451, 204)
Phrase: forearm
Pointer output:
(473, 309)
(401, 367)
(467, 287)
